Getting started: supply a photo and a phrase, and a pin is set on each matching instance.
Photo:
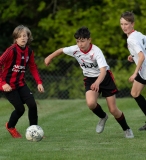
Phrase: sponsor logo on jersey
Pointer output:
(89, 65)
(18, 68)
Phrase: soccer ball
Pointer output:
(34, 133)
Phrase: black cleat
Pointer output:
(143, 128)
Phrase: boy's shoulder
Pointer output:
(72, 48)
(29, 48)
(135, 35)
(96, 48)
(10, 48)
(136, 38)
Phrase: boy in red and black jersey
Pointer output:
(13, 63)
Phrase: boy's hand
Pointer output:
(47, 60)
(7, 88)
(131, 79)
(40, 88)
(130, 58)
(95, 87)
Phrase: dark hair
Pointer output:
(82, 32)
(128, 16)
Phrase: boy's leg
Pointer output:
(29, 100)
(91, 99)
(15, 100)
(142, 104)
(140, 100)
(119, 116)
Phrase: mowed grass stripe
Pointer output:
(69, 128)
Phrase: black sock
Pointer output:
(141, 103)
(99, 112)
(122, 121)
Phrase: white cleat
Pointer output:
(129, 133)
(101, 124)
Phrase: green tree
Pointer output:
(54, 23)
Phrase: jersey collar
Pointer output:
(131, 32)
(87, 50)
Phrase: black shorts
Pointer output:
(20, 95)
(140, 80)
(107, 87)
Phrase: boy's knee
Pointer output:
(31, 104)
(112, 111)
(32, 107)
(91, 106)
(21, 111)
(135, 94)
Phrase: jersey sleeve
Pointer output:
(70, 50)
(134, 45)
(33, 69)
(101, 61)
(6, 56)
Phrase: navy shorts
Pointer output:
(107, 87)
(140, 80)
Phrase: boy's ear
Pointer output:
(133, 24)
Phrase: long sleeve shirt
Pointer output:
(13, 63)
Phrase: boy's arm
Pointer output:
(95, 85)
(5, 57)
(33, 69)
(140, 61)
(53, 55)
(138, 66)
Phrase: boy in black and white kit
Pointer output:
(97, 78)
(136, 43)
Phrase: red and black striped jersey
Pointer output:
(13, 63)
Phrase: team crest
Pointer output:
(91, 56)
(27, 58)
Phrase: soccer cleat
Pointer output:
(101, 124)
(143, 128)
(129, 133)
(14, 133)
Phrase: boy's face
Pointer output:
(22, 39)
(83, 43)
(126, 26)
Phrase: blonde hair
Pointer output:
(17, 31)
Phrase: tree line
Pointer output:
(54, 22)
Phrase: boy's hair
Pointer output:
(82, 32)
(128, 16)
(17, 31)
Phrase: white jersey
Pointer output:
(137, 43)
(90, 62)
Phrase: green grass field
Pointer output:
(69, 128)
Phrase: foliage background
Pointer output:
(53, 25)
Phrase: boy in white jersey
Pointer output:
(136, 43)
(97, 78)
